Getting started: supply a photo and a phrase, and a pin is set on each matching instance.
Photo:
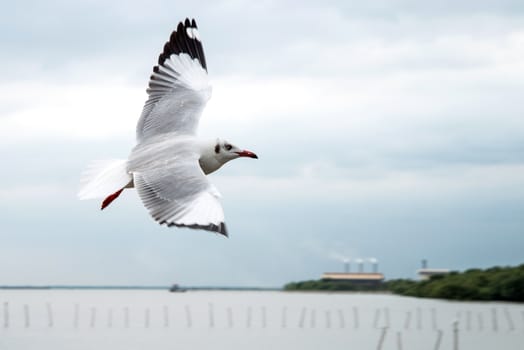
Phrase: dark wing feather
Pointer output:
(178, 88)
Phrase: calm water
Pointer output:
(135, 319)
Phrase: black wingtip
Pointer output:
(220, 228)
(186, 41)
(180, 28)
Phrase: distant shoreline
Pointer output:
(184, 289)
(167, 288)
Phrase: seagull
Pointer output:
(169, 164)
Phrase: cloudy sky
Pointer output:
(386, 129)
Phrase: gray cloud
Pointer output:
(374, 121)
(68, 40)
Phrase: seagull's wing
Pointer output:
(178, 88)
(173, 187)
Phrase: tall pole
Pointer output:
(455, 335)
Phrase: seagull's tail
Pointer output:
(103, 177)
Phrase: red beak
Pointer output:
(246, 153)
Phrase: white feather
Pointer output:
(172, 185)
(178, 93)
(103, 177)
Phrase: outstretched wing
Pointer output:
(178, 88)
(173, 187)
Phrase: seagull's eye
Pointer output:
(228, 147)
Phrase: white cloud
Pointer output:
(324, 182)
(69, 112)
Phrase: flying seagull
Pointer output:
(169, 164)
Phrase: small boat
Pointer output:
(175, 288)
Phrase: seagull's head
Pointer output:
(226, 151)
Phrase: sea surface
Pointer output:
(158, 319)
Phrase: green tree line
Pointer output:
(331, 285)
(496, 283)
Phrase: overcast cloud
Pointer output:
(387, 129)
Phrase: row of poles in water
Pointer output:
(437, 343)
(307, 318)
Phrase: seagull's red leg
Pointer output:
(111, 198)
